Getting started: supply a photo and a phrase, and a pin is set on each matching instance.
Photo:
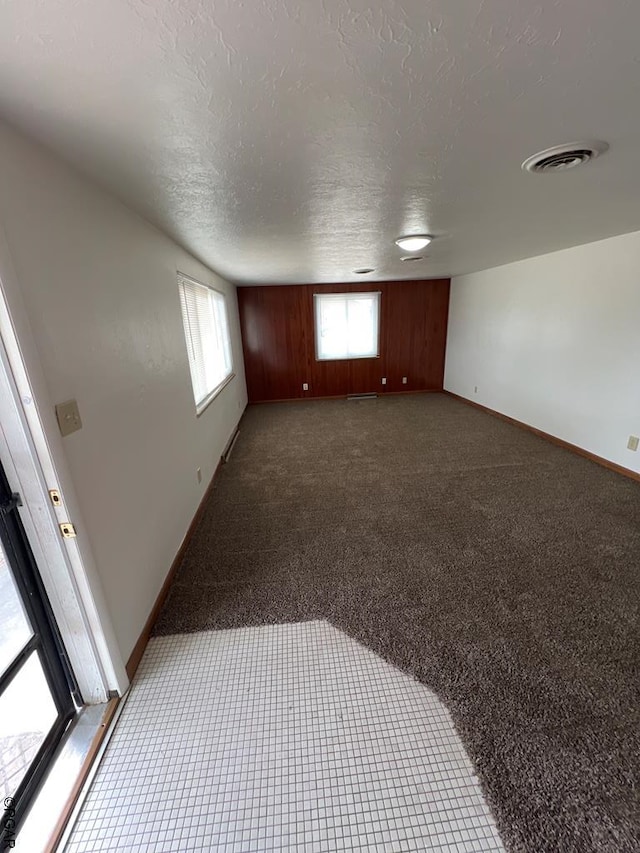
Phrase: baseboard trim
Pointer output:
(574, 448)
(138, 650)
(380, 395)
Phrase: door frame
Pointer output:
(44, 645)
(34, 461)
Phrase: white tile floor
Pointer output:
(283, 737)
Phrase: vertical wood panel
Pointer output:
(279, 347)
(416, 335)
(274, 341)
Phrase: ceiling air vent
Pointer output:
(563, 157)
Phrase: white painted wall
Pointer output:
(98, 286)
(554, 342)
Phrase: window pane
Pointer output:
(14, 625)
(347, 325)
(27, 713)
(334, 328)
(361, 327)
(206, 328)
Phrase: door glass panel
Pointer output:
(14, 625)
(27, 713)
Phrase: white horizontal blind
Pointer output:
(347, 325)
(206, 329)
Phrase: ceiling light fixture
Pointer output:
(414, 242)
(364, 270)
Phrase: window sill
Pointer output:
(350, 358)
(212, 396)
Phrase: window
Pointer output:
(347, 325)
(206, 329)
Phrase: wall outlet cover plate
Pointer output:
(68, 416)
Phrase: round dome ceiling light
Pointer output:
(412, 258)
(364, 270)
(414, 242)
(560, 158)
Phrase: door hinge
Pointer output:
(68, 530)
(10, 504)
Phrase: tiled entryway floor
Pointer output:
(283, 737)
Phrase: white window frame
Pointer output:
(203, 401)
(353, 295)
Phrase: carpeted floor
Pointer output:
(498, 569)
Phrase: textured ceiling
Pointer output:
(284, 141)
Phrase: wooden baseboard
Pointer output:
(574, 448)
(138, 650)
(87, 764)
(344, 396)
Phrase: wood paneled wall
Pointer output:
(279, 350)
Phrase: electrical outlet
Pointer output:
(475, 389)
(633, 442)
(384, 380)
(404, 380)
(305, 386)
(199, 474)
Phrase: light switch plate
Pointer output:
(633, 442)
(68, 416)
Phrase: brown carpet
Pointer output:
(498, 569)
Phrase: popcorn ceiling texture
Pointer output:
(285, 141)
(498, 569)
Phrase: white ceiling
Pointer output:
(294, 140)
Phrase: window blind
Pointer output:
(206, 329)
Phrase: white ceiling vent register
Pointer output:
(563, 157)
